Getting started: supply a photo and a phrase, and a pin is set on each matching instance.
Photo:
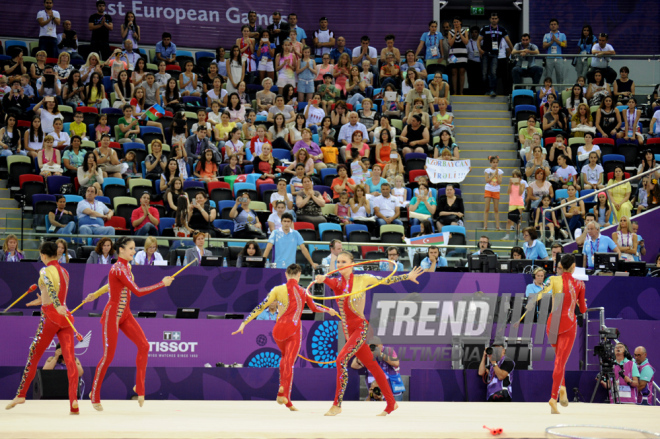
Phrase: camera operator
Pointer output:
(643, 379)
(624, 370)
(388, 361)
(498, 376)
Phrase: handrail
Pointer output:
(591, 195)
(590, 55)
(601, 324)
(528, 84)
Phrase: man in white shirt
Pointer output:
(346, 132)
(48, 20)
(601, 50)
(324, 38)
(92, 214)
(386, 207)
(130, 56)
(365, 52)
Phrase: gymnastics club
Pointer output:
(174, 275)
(32, 288)
(78, 336)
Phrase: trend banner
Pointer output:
(445, 171)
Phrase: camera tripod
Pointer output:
(610, 378)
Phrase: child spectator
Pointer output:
(344, 209)
(567, 175)
(206, 169)
(201, 120)
(78, 127)
(214, 117)
(130, 160)
(128, 126)
(550, 218)
(546, 90)
(151, 90)
(399, 191)
(258, 141)
(516, 190)
(222, 129)
(493, 177)
(249, 130)
(27, 88)
(296, 180)
(275, 218)
(602, 210)
(328, 92)
(446, 142)
(358, 168)
(592, 173)
(330, 153)
(234, 146)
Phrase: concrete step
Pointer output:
(472, 128)
(479, 98)
(500, 121)
(486, 106)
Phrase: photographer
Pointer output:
(624, 370)
(643, 379)
(387, 360)
(498, 376)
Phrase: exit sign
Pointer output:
(476, 10)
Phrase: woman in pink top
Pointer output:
(342, 72)
(356, 142)
(516, 203)
(324, 68)
(286, 65)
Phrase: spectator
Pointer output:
(324, 41)
(620, 195)
(234, 147)
(419, 92)
(517, 253)
(645, 377)
(582, 122)
(347, 130)
(442, 119)
(310, 204)
(474, 62)
(48, 85)
(17, 101)
(314, 115)
(173, 192)
(107, 159)
(166, 49)
(246, 222)
(145, 219)
(375, 182)
(555, 250)
(279, 32)
(423, 206)
(264, 51)
(586, 149)
(312, 148)
(498, 377)
(181, 212)
(533, 249)
(543, 211)
(386, 207)
(252, 250)
(196, 253)
(602, 209)
(432, 42)
(307, 72)
(16, 65)
(643, 195)
(152, 88)
(133, 58)
(95, 92)
(493, 177)
(458, 40)
(388, 361)
(360, 207)
(356, 87)
(516, 191)
(103, 253)
(100, 24)
(586, 42)
(390, 70)
(574, 212)
(624, 87)
(554, 41)
(489, 42)
(63, 253)
(328, 92)
(33, 138)
(415, 137)
(10, 138)
(433, 260)
(341, 72)
(596, 243)
(411, 64)
(201, 215)
(10, 251)
(49, 160)
(329, 263)
(450, 210)
(285, 242)
(56, 362)
(266, 165)
(575, 99)
(525, 61)
(625, 239)
(565, 174)
(48, 20)
(63, 68)
(393, 256)
(89, 174)
(252, 24)
(198, 143)
(630, 116)
(654, 127)
(601, 61)
(592, 173)
(92, 214)
(608, 118)
(61, 139)
(275, 218)
(342, 183)
(162, 77)
(93, 65)
(62, 221)
(257, 142)
(325, 68)
(579, 233)
(598, 89)
(149, 254)
(73, 158)
(364, 52)
(555, 122)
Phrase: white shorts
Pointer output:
(266, 66)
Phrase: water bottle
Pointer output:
(178, 261)
(185, 260)
(648, 273)
(224, 262)
(267, 263)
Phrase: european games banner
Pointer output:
(209, 24)
(445, 171)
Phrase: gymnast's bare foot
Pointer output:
(563, 397)
(98, 407)
(74, 408)
(281, 399)
(385, 412)
(334, 411)
(140, 398)
(14, 402)
(553, 406)
(292, 408)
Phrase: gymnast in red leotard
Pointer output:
(291, 299)
(356, 326)
(117, 315)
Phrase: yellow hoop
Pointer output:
(349, 294)
(355, 292)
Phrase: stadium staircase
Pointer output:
(10, 220)
(483, 128)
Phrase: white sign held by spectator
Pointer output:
(444, 171)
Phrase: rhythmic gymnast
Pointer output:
(54, 286)
(117, 315)
(573, 291)
(356, 326)
(287, 332)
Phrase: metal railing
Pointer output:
(606, 189)
(601, 324)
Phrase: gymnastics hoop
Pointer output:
(549, 430)
(349, 294)
(355, 292)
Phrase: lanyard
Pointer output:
(59, 217)
(528, 253)
(594, 249)
(433, 42)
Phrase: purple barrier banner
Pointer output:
(207, 24)
(648, 221)
(179, 343)
(220, 290)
